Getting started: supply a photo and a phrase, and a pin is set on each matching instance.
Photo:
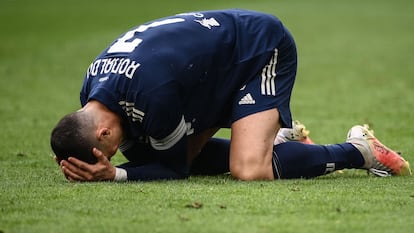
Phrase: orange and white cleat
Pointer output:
(379, 159)
(298, 132)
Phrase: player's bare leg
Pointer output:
(251, 147)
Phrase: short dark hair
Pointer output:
(72, 137)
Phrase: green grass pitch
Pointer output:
(355, 66)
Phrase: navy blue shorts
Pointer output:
(271, 88)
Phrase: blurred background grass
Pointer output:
(355, 66)
(354, 59)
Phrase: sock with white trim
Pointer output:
(298, 160)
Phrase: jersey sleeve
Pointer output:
(159, 113)
(164, 121)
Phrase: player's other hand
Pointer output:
(77, 170)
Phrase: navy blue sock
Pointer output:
(214, 159)
(298, 160)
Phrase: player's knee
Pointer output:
(239, 173)
(246, 172)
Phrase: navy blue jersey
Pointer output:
(178, 75)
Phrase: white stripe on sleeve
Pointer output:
(169, 141)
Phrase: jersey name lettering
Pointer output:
(113, 65)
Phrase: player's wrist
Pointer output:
(120, 175)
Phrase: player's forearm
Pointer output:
(148, 163)
(147, 172)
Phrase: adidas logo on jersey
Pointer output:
(247, 99)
